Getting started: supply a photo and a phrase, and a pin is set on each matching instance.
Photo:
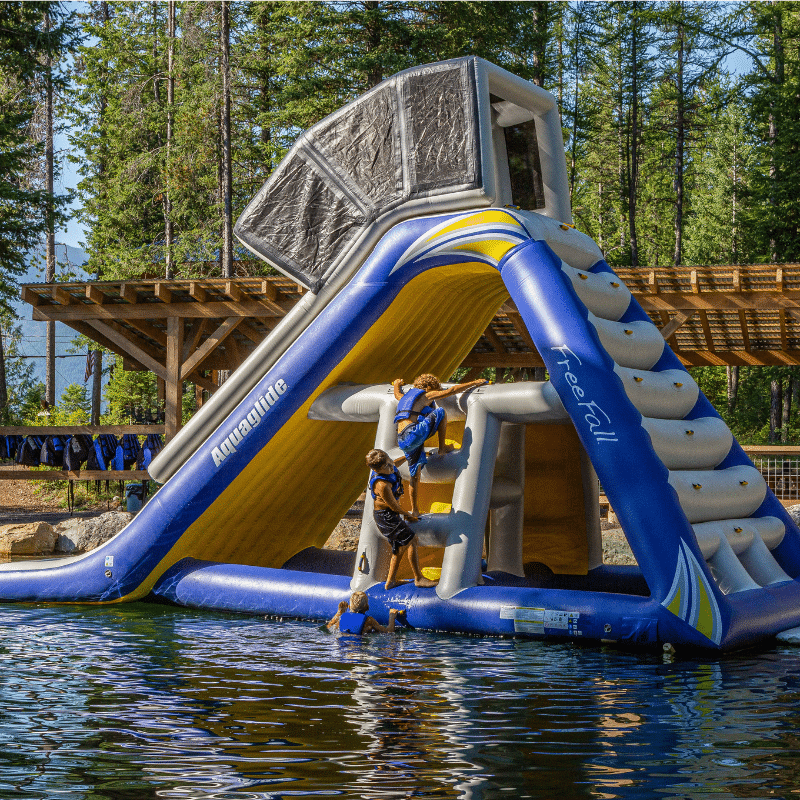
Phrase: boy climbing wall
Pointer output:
(418, 418)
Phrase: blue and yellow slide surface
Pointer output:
(271, 482)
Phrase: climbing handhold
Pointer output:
(697, 485)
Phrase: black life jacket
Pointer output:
(30, 452)
(52, 452)
(76, 451)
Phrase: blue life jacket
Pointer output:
(404, 405)
(127, 453)
(9, 445)
(153, 445)
(350, 622)
(394, 480)
(101, 455)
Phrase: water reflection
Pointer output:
(146, 701)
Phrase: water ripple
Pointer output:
(154, 702)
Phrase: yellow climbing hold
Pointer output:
(738, 530)
(697, 486)
(614, 284)
(678, 385)
(742, 483)
(628, 331)
(690, 433)
(583, 277)
(638, 379)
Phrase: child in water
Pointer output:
(418, 418)
(355, 620)
(386, 488)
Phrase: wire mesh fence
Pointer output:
(782, 475)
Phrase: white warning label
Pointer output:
(535, 620)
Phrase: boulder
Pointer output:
(67, 533)
(80, 535)
(794, 513)
(27, 539)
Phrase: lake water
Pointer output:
(145, 701)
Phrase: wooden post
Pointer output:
(174, 384)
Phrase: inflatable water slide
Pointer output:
(412, 215)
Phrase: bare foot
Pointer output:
(391, 585)
(448, 448)
(424, 583)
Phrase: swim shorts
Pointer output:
(412, 439)
(393, 527)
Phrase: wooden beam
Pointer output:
(128, 346)
(233, 355)
(270, 299)
(27, 295)
(745, 331)
(200, 380)
(95, 295)
(252, 333)
(502, 360)
(494, 340)
(784, 337)
(63, 296)
(194, 334)
(198, 292)
(70, 430)
(173, 401)
(87, 330)
(163, 293)
(233, 291)
(675, 323)
(81, 475)
(148, 330)
(213, 341)
(739, 358)
(128, 293)
(511, 311)
(707, 331)
(218, 309)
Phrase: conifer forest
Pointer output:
(680, 122)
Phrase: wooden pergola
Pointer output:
(182, 330)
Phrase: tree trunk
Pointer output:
(776, 392)
(786, 410)
(225, 131)
(97, 384)
(373, 30)
(170, 269)
(4, 414)
(679, 152)
(773, 125)
(733, 387)
(633, 171)
(50, 270)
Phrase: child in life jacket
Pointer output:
(386, 488)
(354, 619)
(418, 418)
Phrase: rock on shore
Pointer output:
(69, 537)
(27, 539)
